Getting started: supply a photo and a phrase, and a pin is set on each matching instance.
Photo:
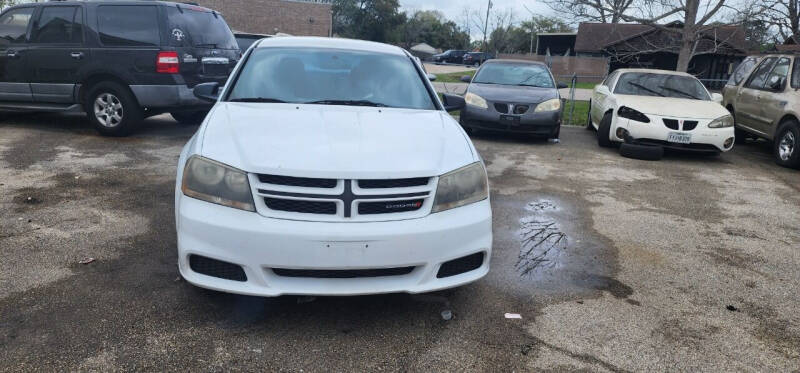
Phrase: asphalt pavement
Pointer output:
(612, 264)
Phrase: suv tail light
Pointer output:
(168, 63)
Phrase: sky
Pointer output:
(453, 9)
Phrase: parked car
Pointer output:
(766, 103)
(245, 40)
(330, 167)
(649, 110)
(119, 61)
(513, 96)
(477, 58)
(450, 56)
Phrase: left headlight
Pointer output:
(215, 182)
(721, 122)
(549, 105)
(461, 187)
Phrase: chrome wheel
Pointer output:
(786, 146)
(108, 110)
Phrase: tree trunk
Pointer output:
(688, 35)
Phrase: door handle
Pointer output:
(12, 54)
(76, 55)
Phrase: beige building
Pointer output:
(295, 17)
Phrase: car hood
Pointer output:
(343, 142)
(511, 93)
(673, 107)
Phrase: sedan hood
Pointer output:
(673, 107)
(326, 141)
(512, 93)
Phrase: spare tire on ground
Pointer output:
(643, 152)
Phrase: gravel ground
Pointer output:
(690, 263)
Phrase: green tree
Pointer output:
(375, 20)
(521, 39)
(432, 28)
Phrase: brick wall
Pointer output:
(311, 18)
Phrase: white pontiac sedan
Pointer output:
(330, 167)
(659, 108)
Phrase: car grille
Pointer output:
(674, 124)
(348, 273)
(521, 109)
(343, 200)
(216, 268)
(501, 108)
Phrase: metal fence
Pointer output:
(714, 84)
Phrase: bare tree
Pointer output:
(603, 11)
(784, 16)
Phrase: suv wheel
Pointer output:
(786, 152)
(604, 132)
(190, 117)
(112, 109)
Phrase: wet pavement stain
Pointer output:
(542, 240)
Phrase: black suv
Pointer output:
(119, 61)
(450, 56)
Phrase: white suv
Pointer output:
(330, 167)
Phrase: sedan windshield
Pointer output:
(331, 77)
(515, 74)
(661, 85)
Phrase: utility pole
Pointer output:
(486, 26)
(533, 19)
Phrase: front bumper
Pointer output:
(704, 139)
(541, 124)
(259, 244)
(167, 96)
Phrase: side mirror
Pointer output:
(207, 91)
(716, 97)
(432, 77)
(561, 85)
(453, 102)
(602, 89)
(466, 78)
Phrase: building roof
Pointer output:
(596, 37)
(337, 43)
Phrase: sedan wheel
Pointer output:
(108, 110)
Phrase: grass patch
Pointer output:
(579, 114)
(585, 85)
(453, 77)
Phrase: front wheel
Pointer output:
(589, 126)
(786, 153)
(112, 109)
(604, 132)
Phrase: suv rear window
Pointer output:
(128, 25)
(199, 28)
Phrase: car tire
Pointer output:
(741, 136)
(112, 109)
(189, 117)
(642, 152)
(589, 126)
(603, 132)
(785, 145)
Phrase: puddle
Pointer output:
(542, 242)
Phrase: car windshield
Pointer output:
(661, 85)
(515, 74)
(332, 77)
(200, 28)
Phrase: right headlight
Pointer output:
(721, 122)
(215, 182)
(475, 100)
(461, 187)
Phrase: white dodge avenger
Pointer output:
(330, 167)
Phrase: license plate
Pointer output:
(680, 138)
(510, 119)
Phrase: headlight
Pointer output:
(217, 183)
(461, 187)
(475, 100)
(632, 114)
(721, 122)
(549, 105)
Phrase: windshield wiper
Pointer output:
(257, 99)
(678, 91)
(637, 85)
(348, 103)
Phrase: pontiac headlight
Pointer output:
(215, 182)
(461, 187)
(549, 105)
(721, 122)
(475, 100)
